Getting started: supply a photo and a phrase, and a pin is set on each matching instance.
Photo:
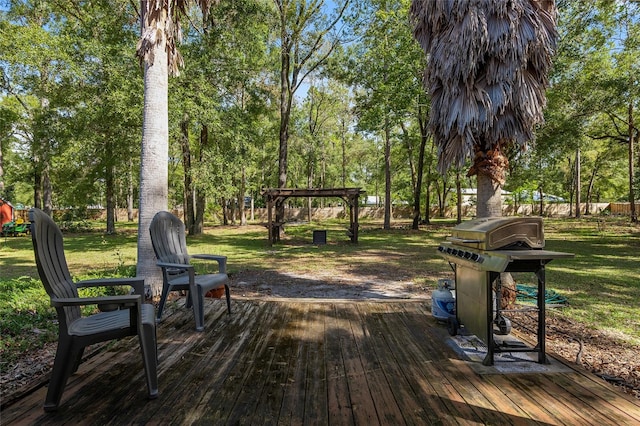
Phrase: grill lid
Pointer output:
(495, 233)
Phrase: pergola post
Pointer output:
(356, 208)
(270, 218)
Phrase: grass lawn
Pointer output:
(602, 282)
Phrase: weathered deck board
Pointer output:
(331, 362)
(339, 400)
(413, 390)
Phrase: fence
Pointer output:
(623, 209)
(406, 212)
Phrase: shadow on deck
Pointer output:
(329, 362)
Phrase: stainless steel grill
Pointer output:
(495, 233)
(479, 250)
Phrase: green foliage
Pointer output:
(594, 82)
(71, 99)
(27, 321)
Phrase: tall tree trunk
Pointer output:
(37, 182)
(541, 195)
(243, 192)
(154, 173)
(225, 218)
(632, 200)
(344, 154)
(578, 183)
(592, 179)
(189, 213)
(459, 197)
(387, 173)
(130, 190)
(286, 100)
(409, 148)
(47, 190)
(200, 195)
(111, 196)
(420, 172)
(442, 196)
(427, 201)
(571, 186)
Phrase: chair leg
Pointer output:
(63, 366)
(228, 295)
(78, 360)
(149, 348)
(163, 300)
(197, 297)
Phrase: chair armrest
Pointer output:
(124, 301)
(136, 283)
(222, 260)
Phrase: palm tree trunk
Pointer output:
(489, 197)
(153, 161)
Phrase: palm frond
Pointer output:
(487, 72)
(161, 23)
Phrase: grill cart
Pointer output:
(478, 251)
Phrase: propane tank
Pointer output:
(443, 302)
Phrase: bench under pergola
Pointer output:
(275, 197)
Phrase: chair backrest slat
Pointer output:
(52, 266)
(168, 237)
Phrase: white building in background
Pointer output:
(470, 196)
(373, 200)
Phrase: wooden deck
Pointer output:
(330, 362)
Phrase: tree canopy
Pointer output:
(71, 102)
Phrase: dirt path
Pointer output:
(325, 285)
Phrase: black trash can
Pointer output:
(320, 237)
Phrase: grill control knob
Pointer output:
(441, 249)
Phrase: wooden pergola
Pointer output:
(275, 197)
